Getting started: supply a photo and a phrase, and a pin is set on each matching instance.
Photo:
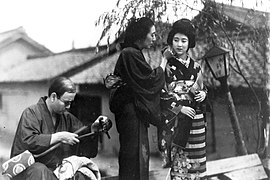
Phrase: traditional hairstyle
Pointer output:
(61, 85)
(183, 26)
(137, 29)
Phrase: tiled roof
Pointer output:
(251, 60)
(250, 17)
(95, 74)
(246, 30)
(11, 36)
(46, 68)
(251, 63)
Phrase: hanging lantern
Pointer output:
(217, 60)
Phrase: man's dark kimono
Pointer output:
(34, 134)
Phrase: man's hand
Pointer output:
(102, 123)
(65, 137)
(69, 138)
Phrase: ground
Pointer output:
(109, 165)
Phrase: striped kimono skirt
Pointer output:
(189, 163)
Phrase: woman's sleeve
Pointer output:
(199, 83)
(200, 80)
(140, 76)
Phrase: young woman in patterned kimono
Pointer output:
(182, 108)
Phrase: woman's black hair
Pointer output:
(137, 29)
(183, 26)
(61, 85)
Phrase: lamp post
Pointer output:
(217, 61)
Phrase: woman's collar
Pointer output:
(184, 62)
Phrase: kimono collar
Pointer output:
(135, 46)
(123, 45)
(46, 113)
(42, 102)
(184, 62)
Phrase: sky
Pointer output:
(56, 24)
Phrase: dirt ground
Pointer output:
(108, 165)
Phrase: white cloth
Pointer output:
(72, 164)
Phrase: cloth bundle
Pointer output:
(18, 164)
(72, 164)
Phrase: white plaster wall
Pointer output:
(16, 97)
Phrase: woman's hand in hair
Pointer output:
(167, 52)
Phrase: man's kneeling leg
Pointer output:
(36, 171)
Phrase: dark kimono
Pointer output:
(141, 107)
(185, 151)
(34, 134)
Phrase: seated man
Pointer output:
(45, 124)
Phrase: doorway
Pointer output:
(86, 108)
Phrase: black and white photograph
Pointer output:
(134, 90)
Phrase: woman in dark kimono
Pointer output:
(182, 107)
(141, 100)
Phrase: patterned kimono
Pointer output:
(185, 149)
